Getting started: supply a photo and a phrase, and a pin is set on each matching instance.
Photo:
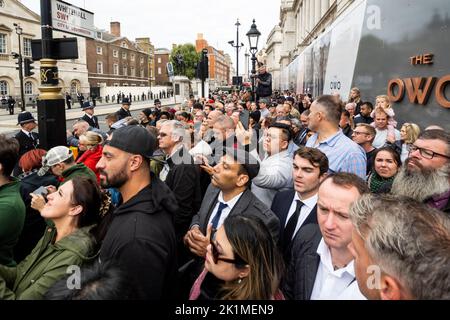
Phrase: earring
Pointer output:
(240, 280)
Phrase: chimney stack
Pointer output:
(115, 29)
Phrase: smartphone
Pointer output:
(244, 118)
(41, 191)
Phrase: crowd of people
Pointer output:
(290, 197)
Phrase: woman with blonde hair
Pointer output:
(408, 135)
(91, 146)
(242, 263)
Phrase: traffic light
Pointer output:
(204, 65)
(28, 67)
(16, 56)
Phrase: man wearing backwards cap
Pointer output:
(141, 236)
(227, 195)
(61, 163)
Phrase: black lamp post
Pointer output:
(247, 59)
(253, 38)
(237, 46)
(20, 64)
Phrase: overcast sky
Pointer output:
(170, 21)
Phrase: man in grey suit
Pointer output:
(227, 195)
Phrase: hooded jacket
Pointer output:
(47, 263)
(141, 241)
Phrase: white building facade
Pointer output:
(301, 21)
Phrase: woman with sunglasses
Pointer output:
(242, 263)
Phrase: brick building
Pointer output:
(114, 60)
(162, 57)
(219, 65)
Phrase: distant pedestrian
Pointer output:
(68, 101)
(11, 103)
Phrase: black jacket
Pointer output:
(184, 181)
(280, 206)
(301, 274)
(141, 240)
(361, 119)
(247, 205)
(264, 88)
(25, 142)
(122, 114)
(92, 122)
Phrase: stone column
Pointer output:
(324, 5)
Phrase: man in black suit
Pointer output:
(227, 195)
(124, 111)
(89, 117)
(28, 140)
(68, 101)
(11, 103)
(322, 265)
(297, 208)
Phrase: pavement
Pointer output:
(8, 123)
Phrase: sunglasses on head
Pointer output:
(216, 255)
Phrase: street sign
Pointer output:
(71, 19)
(61, 49)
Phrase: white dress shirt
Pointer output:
(308, 206)
(225, 212)
(333, 284)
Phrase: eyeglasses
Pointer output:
(359, 132)
(216, 255)
(427, 154)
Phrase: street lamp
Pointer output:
(253, 39)
(237, 46)
(20, 61)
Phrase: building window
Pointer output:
(159, 60)
(125, 84)
(99, 67)
(28, 88)
(116, 69)
(99, 35)
(99, 50)
(3, 48)
(27, 47)
(116, 84)
(3, 88)
(124, 55)
(115, 53)
(133, 72)
(142, 60)
(125, 70)
(159, 70)
(133, 57)
(124, 45)
(142, 73)
(151, 73)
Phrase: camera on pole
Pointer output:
(28, 67)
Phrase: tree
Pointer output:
(185, 66)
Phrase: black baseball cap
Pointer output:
(134, 140)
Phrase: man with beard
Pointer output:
(426, 173)
(141, 236)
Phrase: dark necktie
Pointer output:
(215, 220)
(291, 225)
(31, 137)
